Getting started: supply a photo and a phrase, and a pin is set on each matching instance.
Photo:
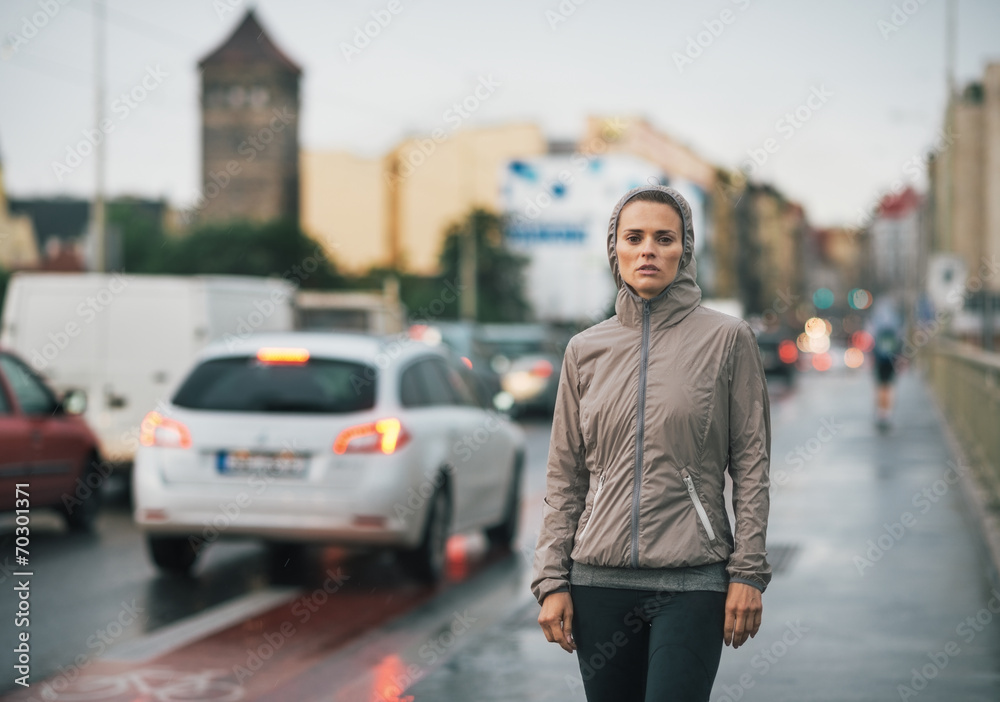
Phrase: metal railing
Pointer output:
(966, 381)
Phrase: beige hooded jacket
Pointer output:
(654, 404)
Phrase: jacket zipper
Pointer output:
(699, 508)
(593, 509)
(640, 422)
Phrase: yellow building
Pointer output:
(394, 211)
(636, 136)
(965, 176)
(18, 248)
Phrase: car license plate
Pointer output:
(283, 464)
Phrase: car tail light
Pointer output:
(157, 430)
(787, 351)
(542, 369)
(385, 435)
(282, 355)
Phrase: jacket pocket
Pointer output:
(593, 507)
(699, 507)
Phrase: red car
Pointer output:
(46, 445)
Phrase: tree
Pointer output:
(277, 248)
(141, 230)
(499, 271)
(4, 279)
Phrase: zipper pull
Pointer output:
(689, 483)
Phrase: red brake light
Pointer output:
(157, 430)
(385, 435)
(282, 355)
(787, 351)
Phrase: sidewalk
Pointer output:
(880, 590)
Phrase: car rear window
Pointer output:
(244, 384)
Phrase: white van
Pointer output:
(126, 340)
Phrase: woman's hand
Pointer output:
(743, 612)
(556, 620)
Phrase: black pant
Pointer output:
(647, 646)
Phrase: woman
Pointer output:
(636, 567)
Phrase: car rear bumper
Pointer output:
(382, 513)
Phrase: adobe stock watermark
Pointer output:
(365, 34)
(562, 12)
(893, 533)
(435, 649)
(911, 170)
(86, 311)
(122, 107)
(764, 661)
(97, 644)
(803, 453)
(249, 149)
(466, 447)
(303, 609)
(786, 126)
(967, 630)
(30, 26)
(579, 161)
(698, 43)
(924, 333)
(224, 8)
(454, 116)
(900, 15)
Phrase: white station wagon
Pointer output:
(346, 439)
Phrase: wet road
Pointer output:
(881, 587)
(99, 606)
(863, 599)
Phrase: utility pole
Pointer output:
(467, 257)
(98, 223)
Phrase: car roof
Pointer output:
(355, 346)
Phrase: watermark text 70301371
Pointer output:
(22, 584)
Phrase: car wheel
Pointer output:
(80, 507)
(503, 534)
(173, 554)
(427, 561)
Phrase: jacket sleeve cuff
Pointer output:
(757, 584)
(546, 588)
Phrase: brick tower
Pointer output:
(250, 129)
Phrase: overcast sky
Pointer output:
(882, 78)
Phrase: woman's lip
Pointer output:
(646, 269)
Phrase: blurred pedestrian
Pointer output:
(637, 569)
(886, 355)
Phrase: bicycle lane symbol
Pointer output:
(152, 685)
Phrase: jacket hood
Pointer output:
(681, 296)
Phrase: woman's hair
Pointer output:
(656, 196)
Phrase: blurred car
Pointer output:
(778, 353)
(528, 359)
(460, 337)
(336, 438)
(46, 446)
(531, 382)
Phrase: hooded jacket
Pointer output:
(653, 406)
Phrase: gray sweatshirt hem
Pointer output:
(712, 577)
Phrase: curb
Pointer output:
(974, 493)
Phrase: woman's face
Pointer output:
(649, 246)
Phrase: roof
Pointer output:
(249, 43)
(365, 348)
(898, 205)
